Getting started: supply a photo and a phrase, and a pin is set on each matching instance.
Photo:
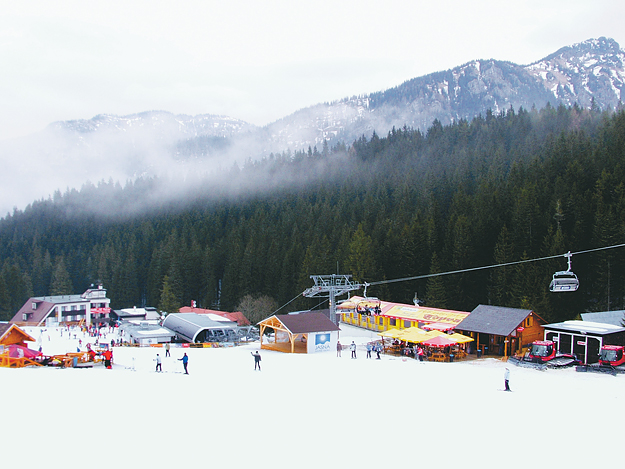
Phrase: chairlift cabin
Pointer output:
(565, 280)
(369, 306)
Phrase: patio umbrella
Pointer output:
(393, 333)
(347, 305)
(461, 339)
(439, 341)
(416, 335)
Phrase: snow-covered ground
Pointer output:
(304, 411)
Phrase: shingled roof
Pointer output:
(496, 320)
(305, 323)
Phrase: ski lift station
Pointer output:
(200, 328)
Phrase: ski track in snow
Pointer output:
(302, 411)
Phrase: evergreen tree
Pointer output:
(435, 292)
(61, 283)
(169, 302)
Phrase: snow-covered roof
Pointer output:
(585, 327)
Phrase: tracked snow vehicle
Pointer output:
(611, 360)
(543, 354)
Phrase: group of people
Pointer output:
(184, 360)
(377, 348)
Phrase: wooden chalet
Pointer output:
(308, 332)
(10, 334)
(501, 331)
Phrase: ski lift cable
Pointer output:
(287, 303)
(471, 269)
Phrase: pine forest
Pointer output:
(503, 187)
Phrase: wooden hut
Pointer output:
(501, 331)
(308, 332)
(10, 334)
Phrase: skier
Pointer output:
(108, 358)
(167, 350)
(506, 378)
(339, 347)
(257, 359)
(185, 361)
(368, 350)
(158, 363)
(378, 349)
(352, 347)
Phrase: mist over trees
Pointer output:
(500, 188)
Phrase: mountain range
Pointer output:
(590, 73)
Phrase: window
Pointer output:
(73, 307)
(528, 321)
(392, 322)
(34, 305)
(407, 323)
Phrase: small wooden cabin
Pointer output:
(501, 331)
(308, 332)
(10, 334)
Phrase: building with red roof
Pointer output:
(236, 316)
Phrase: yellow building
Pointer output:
(387, 315)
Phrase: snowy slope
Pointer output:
(304, 411)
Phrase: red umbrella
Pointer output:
(439, 341)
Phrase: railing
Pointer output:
(17, 362)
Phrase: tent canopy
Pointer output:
(17, 351)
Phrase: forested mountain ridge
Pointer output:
(498, 188)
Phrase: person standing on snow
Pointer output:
(185, 362)
(257, 359)
(167, 350)
(506, 379)
(368, 350)
(339, 347)
(352, 347)
(158, 363)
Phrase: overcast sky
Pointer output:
(258, 60)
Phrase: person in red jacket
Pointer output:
(108, 358)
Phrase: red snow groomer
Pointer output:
(543, 354)
(611, 361)
(612, 355)
(544, 351)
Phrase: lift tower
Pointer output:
(334, 285)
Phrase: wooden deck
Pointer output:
(284, 347)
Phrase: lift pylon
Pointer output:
(334, 285)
